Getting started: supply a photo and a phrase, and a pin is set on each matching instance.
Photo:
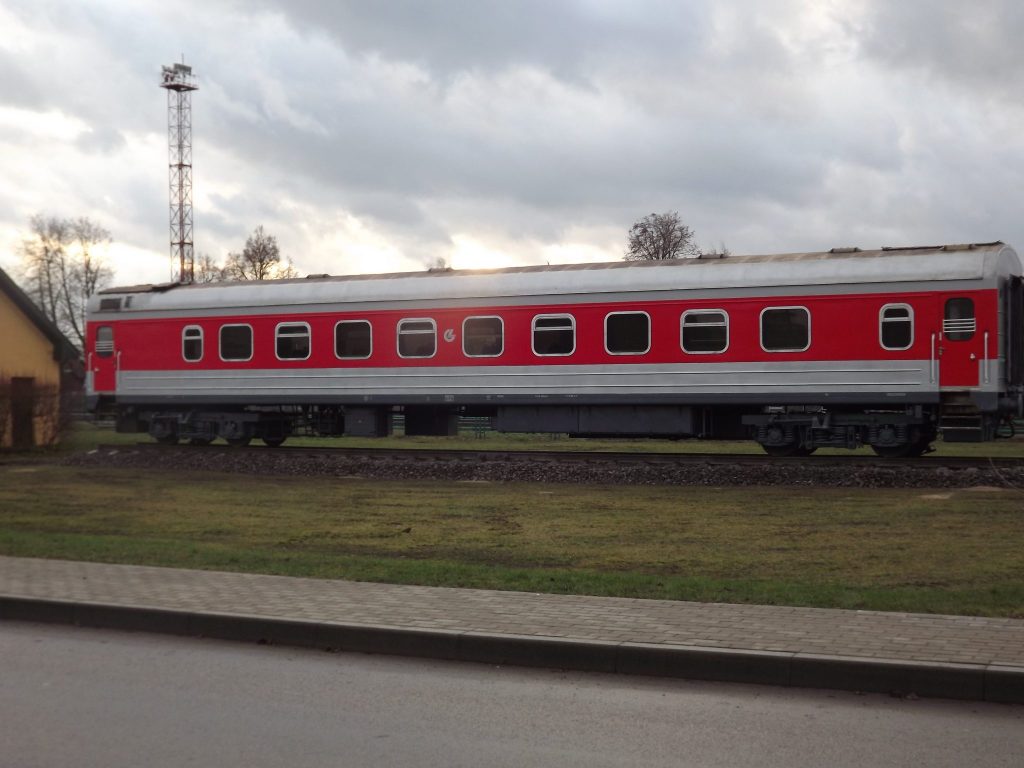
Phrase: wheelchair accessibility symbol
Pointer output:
(449, 335)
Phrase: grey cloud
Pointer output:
(975, 44)
(213, 226)
(135, 211)
(378, 147)
(234, 218)
(379, 154)
(563, 37)
(726, 111)
(101, 139)
(20, 88)
(85, 68)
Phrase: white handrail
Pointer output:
(931, 363)
(985, 360)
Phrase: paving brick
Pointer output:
(440, 620)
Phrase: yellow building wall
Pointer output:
(24, 351)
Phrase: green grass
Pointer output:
(908, 550)
(87, 436)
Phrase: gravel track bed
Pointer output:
(593, 472)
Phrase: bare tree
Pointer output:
(207, 270)
(61, 269)
(660, 236)
(259, 260)
(717, 253)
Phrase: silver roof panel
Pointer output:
(982, 262)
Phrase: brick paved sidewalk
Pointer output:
(863, 634)
(712, 635)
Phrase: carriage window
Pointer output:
(627, 333)
(554, 335)
(785, 329)
(958, 323)
(353, 340)
(236, 342)
(104, 341)
(417, 338)
(483, 336)
(291, 341)
(192, 343)
(705, 332)
(896, 326)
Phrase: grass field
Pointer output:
(908, 550)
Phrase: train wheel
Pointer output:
(273, 442)
(905, 451)
(792, 449)
(164, 431)
(238, 442)
(919, 444)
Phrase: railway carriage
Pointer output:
(842, 348)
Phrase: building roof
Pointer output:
(63, 349)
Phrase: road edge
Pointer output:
(971, 682)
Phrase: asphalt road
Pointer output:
(97, 698)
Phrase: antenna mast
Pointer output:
(179, 83)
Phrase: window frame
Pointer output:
(500, 320)
(628, 312)
(202, 343)
(533, 334)
(398, 337)
(220, 343)
(309, 335)
(882, 321)
(760, 328)
(682, 325)
(350, 357)
(949, 331)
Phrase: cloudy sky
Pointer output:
(380, 136)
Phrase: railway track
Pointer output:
(423, 455)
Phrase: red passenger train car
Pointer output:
(842, 348)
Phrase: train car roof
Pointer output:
(839, 266)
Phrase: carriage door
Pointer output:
(104, 360)
(959, 348)
(1014, 331)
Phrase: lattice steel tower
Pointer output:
(179, 83)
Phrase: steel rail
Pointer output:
(590, 457)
